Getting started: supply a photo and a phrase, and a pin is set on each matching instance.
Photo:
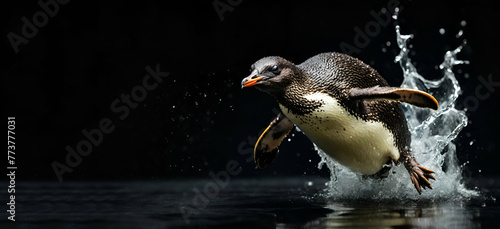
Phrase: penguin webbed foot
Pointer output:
(419, 174)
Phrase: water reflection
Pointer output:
(244, 203)
(384, 215)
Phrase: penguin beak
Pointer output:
(250, 81)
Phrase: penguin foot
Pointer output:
(420, 176)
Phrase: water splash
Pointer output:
(432, 134)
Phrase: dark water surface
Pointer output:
(247, 203)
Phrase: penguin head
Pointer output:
(271, 74)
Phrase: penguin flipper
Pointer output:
(413, 97)
(266, 148)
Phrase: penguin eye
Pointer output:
(275, 69)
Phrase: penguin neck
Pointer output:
(293, 98)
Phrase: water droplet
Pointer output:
(463, 23)
(309, 183)
(442, 31)
(395, 15)
(459, 34)
(470, 143)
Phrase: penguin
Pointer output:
(346, 108)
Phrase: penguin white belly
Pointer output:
(362, 146)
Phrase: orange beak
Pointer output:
(251, 82)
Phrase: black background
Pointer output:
(91, 52)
